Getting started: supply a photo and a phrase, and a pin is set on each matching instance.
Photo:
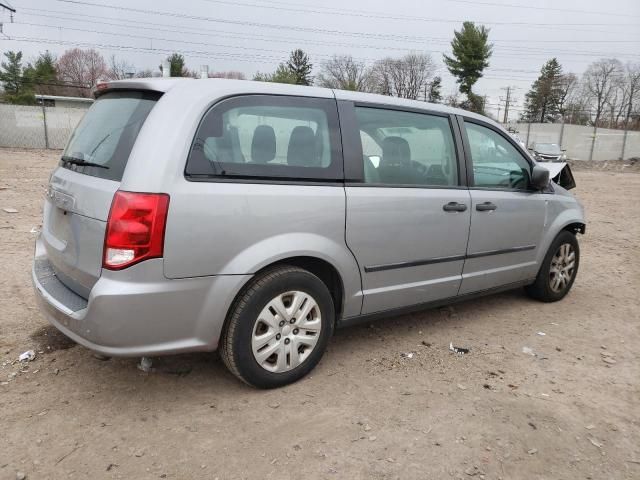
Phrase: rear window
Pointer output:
(268, 137)
(101, 143)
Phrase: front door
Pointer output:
(408, 220)
(507, 217)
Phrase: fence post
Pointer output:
(624, 138)
(561, 132)
(593, 141)
(44, 121)
(528, 131)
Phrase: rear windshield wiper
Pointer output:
(84, 163)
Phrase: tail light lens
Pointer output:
(135, 228)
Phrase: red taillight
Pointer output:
(135, 228)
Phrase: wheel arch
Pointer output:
(567, 223)
(321, 268)
(575, 227)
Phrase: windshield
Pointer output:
(102, 141)
(550, 148)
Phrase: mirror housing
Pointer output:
(539, 177)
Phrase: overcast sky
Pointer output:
(254, 35)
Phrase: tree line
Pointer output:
(411, 76)
(607, 95)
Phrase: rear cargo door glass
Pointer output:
(107, 133)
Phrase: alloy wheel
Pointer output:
(562, 267)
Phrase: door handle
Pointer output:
(454, 207)
(486, 206)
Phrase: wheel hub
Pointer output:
(562, 267)
(286, 331)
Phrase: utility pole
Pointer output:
(6, 6)
(508, 101)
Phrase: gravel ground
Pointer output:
(389, 400)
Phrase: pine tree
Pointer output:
(544, 101)
(471, 53)
(11, 74)
(16, 89)
(176, 66)
(300, 67)
(435, 95)
(281, 75)
(42, 76)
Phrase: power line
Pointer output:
(503, 5)
(385, 16)
(241, 47)
(6, 6)
(404, 38)
(520, 51)
(529, 7)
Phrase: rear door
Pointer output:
(507, 216)
(407, 207)
(81, 189)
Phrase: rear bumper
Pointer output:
(138, 311)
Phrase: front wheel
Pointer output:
(558, 271)
(278, 328)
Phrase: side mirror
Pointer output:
(539, 177)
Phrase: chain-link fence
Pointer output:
(38, 126)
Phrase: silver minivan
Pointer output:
(255, 218)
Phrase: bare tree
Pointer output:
(119, 69)
(567, 86)
(631, 87)
(345, 73)
(146, 73)
(82, 69)
(453, 99)
(600, 81)
(405, 77)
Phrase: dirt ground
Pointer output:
(388, 400)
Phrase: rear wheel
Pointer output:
(278, 328)
(558, 271)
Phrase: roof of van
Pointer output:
(209, 86)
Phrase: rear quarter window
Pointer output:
(265, 136)
(106, 134)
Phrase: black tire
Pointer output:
(236, 342)
(542, 288)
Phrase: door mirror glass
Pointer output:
(539, 177)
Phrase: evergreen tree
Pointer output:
(16, 90)
(471, 53)
(281, 75)
(42, 76)
(176, 66)
(544, 101)
(300, 67)
(11, 73)
(435, 95)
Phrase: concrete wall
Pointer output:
(577, 140)
(23, 126)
